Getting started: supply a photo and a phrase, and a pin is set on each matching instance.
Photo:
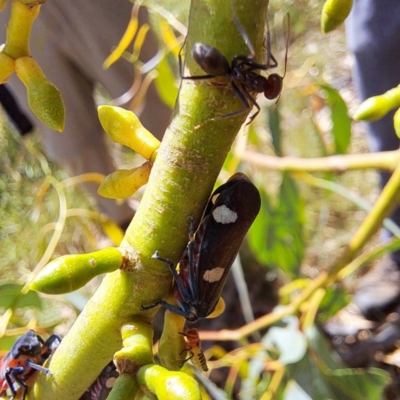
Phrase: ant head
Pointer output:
(274, 87)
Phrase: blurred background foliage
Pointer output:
(300, 229)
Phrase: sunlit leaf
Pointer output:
(11, 297)
(334, 300)
(341, 122)
(169, 38)
(6, 343)
(310, 378)
(125, 40)
(165, 83)
(138, 43)
(358, 384)
(275, 129)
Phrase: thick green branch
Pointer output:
(181, 180)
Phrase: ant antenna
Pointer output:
(268, 44)
(275, 79)
(287, 42)
(286, 52)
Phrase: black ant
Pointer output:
(241, 71)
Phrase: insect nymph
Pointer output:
(195, 351)
(26, 357)
(206, 262)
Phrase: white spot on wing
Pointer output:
(224, 215)
(213, 275)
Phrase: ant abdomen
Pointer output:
(210, 59)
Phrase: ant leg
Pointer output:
(240, 61)
(198, 77)
(253, 102)
(269, 54)
(275, 63)
(271, 60)
(242, 97)
(247, 99)
(242, 31)
(247, 60)
(180, 57)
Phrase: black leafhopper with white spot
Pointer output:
(206, 262)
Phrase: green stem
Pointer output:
(19, 28)
(180, 183)
(385, 160)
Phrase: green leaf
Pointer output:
(294, 391)
(341, 122)
(310, 378)
(11, 297)
(275, 129)
(334, 300)
(165, 83)
(276, 236)
(320, 345)
(358, 384)
(6, 342)
(341, 383)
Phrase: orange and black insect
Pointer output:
(207, 260)
(196, 354)
(26, 357)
